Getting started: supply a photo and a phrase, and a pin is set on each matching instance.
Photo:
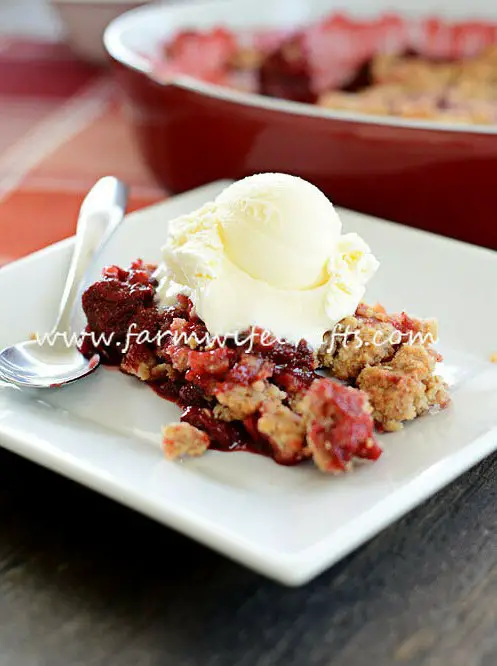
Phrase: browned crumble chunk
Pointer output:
(397, 374)
(183, 439)
(339, 427)
(247, 58)
(404, 388)
(415, 360)
(284, 429)
(346, 357)
(140, 362)
(179, 358)
(163, 370)
(238, 402)
(374, 336)
(462, 91)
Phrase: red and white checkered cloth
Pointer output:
(60, 130)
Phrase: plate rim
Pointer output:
(289, 568)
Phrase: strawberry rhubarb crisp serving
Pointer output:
(255, 326)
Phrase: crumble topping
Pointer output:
(335, 414)
(345, 358)
(404, 388)
(398, 374)
(268, 398)
(183, 439)
(238, 402)
(284, 429)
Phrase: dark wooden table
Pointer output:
(84, 581)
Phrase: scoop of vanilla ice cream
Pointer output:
(279, 229)
(268, 252)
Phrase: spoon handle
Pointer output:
(101, 212)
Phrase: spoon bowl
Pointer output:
(31, 365)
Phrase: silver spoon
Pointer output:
(55, 362)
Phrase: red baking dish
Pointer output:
(436, 176)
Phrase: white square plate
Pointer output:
(288, 523)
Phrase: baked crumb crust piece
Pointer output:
(183, 439)
(391, 359)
